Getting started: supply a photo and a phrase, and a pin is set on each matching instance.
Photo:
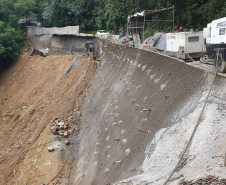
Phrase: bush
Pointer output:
(11, 44)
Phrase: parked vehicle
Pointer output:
(215, 40)
(102, 32)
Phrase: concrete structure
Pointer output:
(59, 40)
(111, 37)
(69, 30)
(138, 116)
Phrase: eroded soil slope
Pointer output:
(33, 92)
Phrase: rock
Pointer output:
(61, 133)
(53, 128)
(50, 149)
(55, 132)
(67, 142)
(70, 131)
(61, 124)
(65, 134)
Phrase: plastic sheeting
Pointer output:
(158, 41)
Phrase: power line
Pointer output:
(193, 133)
(27, 150)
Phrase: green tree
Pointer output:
(11, 44)
(25, 7)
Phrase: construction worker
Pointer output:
(129, 30)
(176, 29)
(121, 33)
(71, 50)
(169, 30)
(91, 51)
(183, 29)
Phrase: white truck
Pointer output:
(215, 41)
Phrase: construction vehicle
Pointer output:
(215, 40)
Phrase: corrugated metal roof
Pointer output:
(139, 17)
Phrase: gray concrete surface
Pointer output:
(60, 44)
(59, 40)
(205, 156)
(36, 31)
(128, 82)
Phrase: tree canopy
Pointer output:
(92, 15)
(109, 14)
(10, 45)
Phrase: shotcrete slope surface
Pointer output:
(135, 92)
(203, 162)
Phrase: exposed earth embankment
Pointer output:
(33, 93)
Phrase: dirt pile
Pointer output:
(32, 94)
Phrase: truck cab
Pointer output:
(215, 41)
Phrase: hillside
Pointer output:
(33, 92)
(135, 117)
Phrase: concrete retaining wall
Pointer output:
(60, 44)
(133, 90)
(70, 30)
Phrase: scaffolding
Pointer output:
(146, 16)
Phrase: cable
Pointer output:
(26, 150)
(192, 135)
(206, 60)
(59, 170)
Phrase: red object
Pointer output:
(181, 28)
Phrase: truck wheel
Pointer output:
(219, 64)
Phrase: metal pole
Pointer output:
(173, 18)
(143, 25)
(150, 29)
(136, 26)
(127, 28)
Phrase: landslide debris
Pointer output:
(65, 126)
(32, 94)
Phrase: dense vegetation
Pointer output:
(11, 44)
(92, 15)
